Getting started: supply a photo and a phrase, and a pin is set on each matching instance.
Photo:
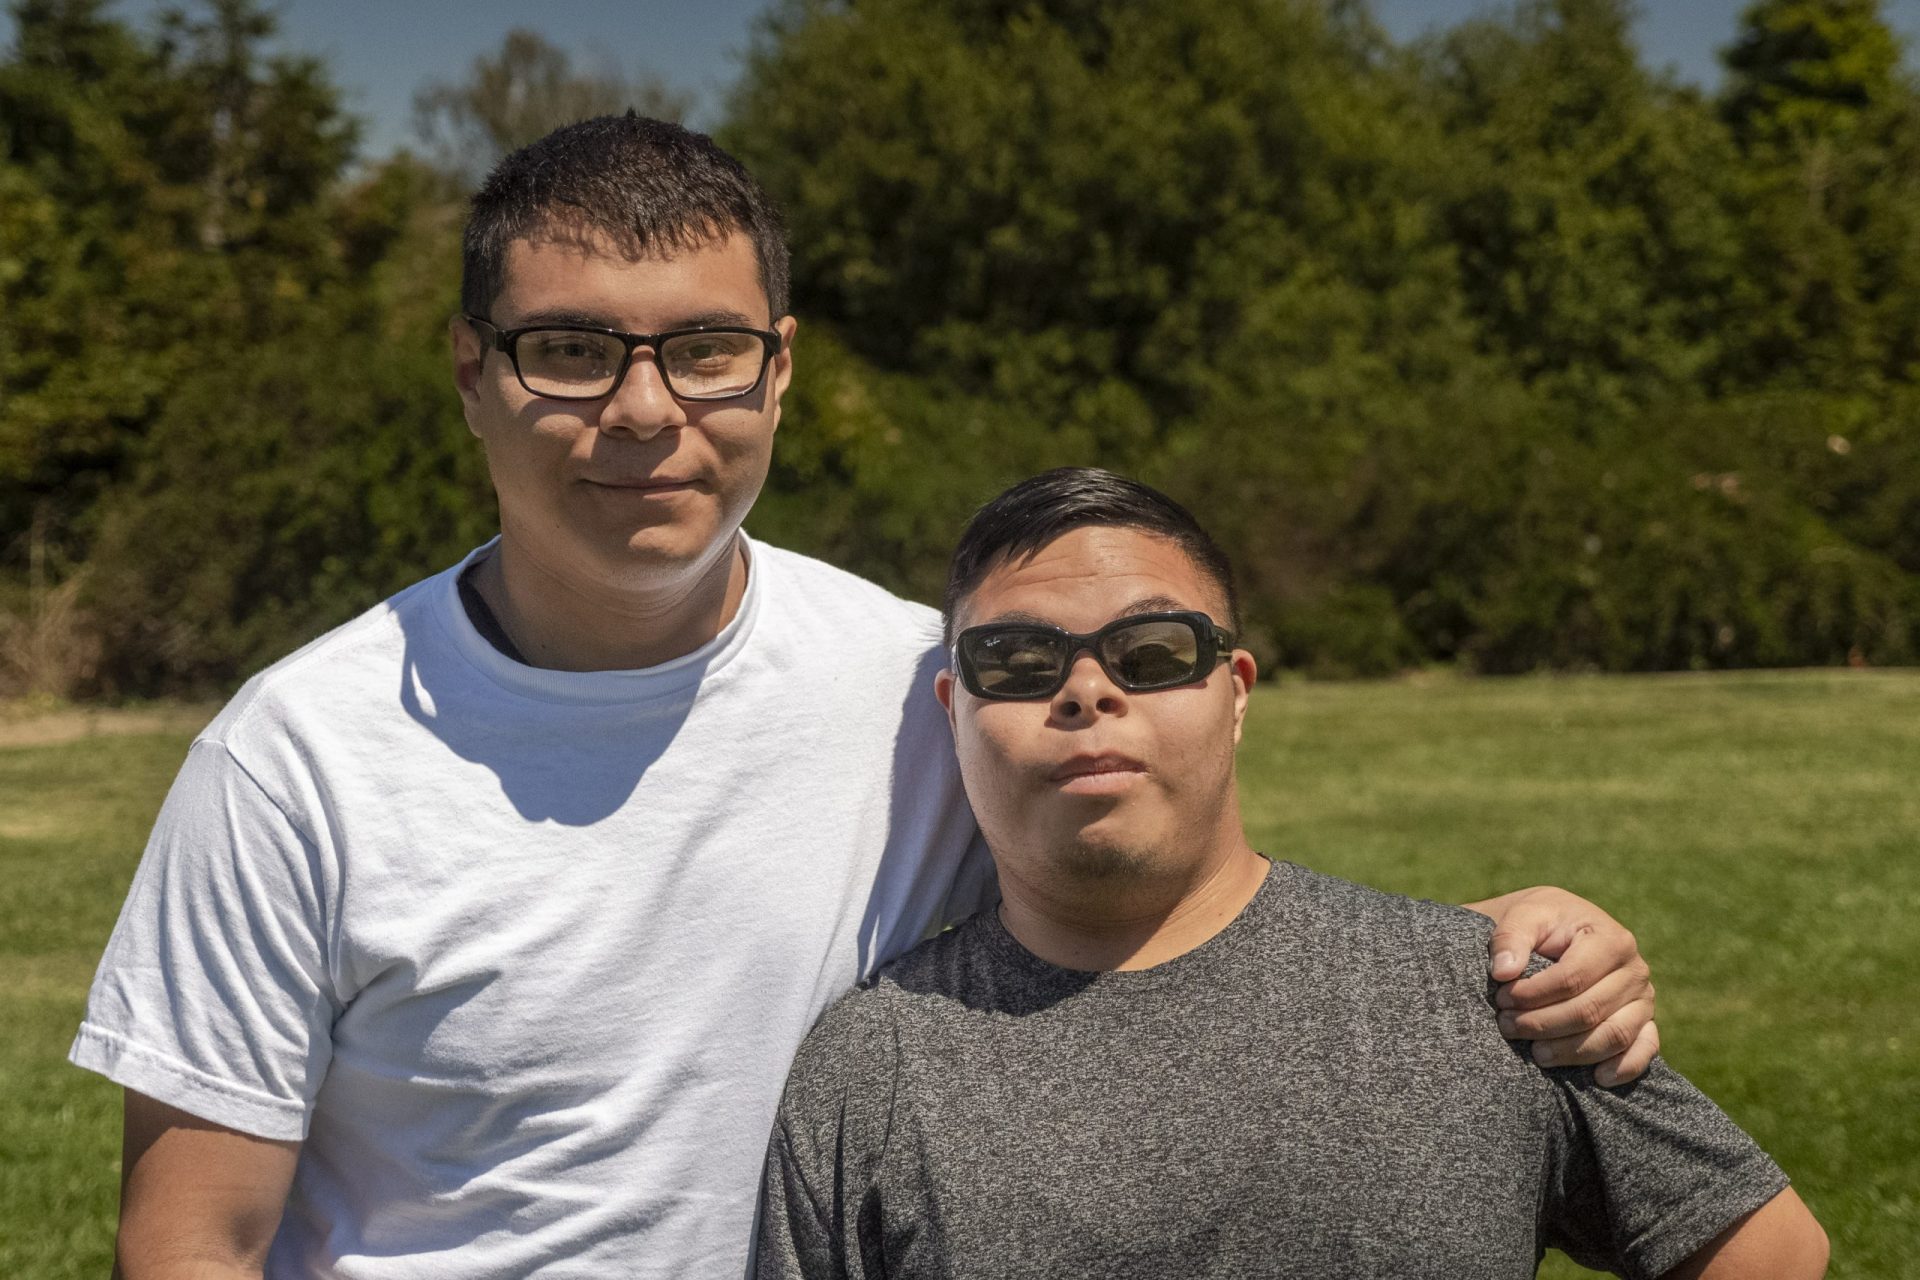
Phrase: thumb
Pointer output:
(1516, 936)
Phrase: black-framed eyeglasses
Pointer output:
(576, 362)
(1012, 661)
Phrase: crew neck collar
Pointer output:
(1201, 959)
(673, 681)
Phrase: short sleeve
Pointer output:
(817, 1208)
(798, 1237)
(1644, 1175)
(213, 995)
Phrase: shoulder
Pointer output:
(343, 676)
(860, 1032)
(1362, 918)
(802, 584)
(841, 1084)
(849, 1064)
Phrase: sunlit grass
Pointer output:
(1758, 832)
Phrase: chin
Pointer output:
(1092, 858)
(671, 544)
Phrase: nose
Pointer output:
(641, 406)
(1088, 693)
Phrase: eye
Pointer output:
(567, 348)
(709, 351)
(1154, 661)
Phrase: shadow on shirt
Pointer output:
(549, 756)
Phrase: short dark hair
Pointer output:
(1034, 512)
(647, 183)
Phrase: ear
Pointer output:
(1245, 671)
(943, 689)
(468, 358)
(782, 371)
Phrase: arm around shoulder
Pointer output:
(1778, 1241)
(197, 1199)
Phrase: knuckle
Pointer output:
(1614, 1039)
(1559, 985)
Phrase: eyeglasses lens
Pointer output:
(713, 365)
(580, 364)
(1017, 664)
(1152, 655)
(565, 362)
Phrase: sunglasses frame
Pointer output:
(1213, 644)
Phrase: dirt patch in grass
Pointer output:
(31, 727)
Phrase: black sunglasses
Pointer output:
(1012, 661)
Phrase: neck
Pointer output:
(1129, 922)
(566, 621)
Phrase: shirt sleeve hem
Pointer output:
(167, 1079)
(1698, 1224)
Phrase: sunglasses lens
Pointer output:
(1153, 655)
(1015, 663)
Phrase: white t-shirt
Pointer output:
(524, 955)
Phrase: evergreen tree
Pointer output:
(1808, 68)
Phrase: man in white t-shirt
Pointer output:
(476, 937)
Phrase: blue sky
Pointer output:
(380, 51)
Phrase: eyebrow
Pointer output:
(595, 320)
(1145, 604)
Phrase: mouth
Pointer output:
(1107, 773)
(645, 485)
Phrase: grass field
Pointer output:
(1758, 832)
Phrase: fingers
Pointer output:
(1590, 957)
(1522, 930)
(1610, 1039)
(1584, 1012)
(1632, 1064)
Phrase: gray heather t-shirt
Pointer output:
(1320, 1090)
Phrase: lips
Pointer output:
(1094, 766)
(644, 484)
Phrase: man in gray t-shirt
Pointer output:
(1164, 1055)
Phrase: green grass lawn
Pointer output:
(1758, 832)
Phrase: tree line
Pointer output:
(1494, 349)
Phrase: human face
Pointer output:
(1096, 781)
(636, 489)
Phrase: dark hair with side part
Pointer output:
(648, 184)
(1034, 512)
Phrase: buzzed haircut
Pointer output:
(648, 184)
(1034, 512)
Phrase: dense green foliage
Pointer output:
(1498, 349)
(1755, 831)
